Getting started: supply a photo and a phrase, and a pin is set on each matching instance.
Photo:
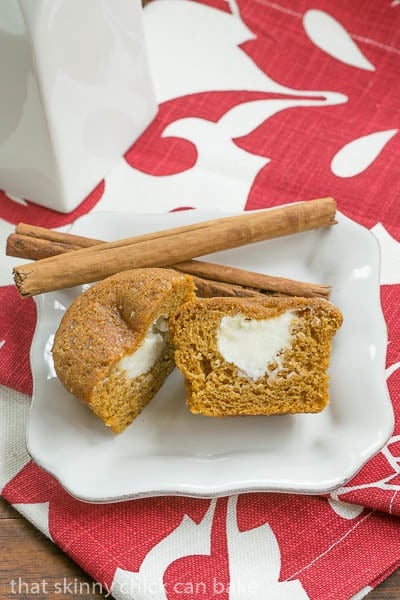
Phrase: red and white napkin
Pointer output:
(261, 103)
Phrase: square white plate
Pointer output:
(167, 450)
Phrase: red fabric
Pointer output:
(333, 557)
(17, 324)
(104, 537)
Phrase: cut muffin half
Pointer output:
(112, 348)
(255, 357)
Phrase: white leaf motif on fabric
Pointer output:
(38, 514)
(331, 37)
(344, 509)
(255, 563)
(2, 342)
(185, 68)
(224, 173)
(390, 255)
(356, 156)
(186, 540)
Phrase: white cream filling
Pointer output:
(252, 344)
(149, 351)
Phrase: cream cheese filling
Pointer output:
(149, 351)
(252, 344)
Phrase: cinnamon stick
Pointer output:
(52, 235)
(171, 246)
(23, 246)
(206, 288)
(35, 243)
(249, 279)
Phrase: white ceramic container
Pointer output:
(76, 92)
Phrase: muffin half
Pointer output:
(255, 357)
(112, 348)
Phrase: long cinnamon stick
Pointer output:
(94, 263)
(274, 222)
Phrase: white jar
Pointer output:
(76, 92)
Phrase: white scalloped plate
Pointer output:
(167, 450)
